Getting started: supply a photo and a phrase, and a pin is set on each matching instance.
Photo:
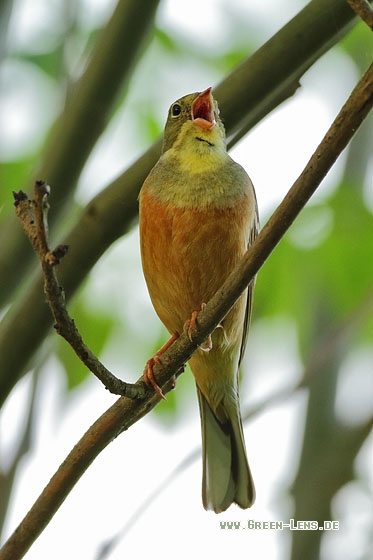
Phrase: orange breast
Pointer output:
(188, 253)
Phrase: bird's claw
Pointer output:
(149, 376)
(190, 326)
(148, 371)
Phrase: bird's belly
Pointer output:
(187, 254)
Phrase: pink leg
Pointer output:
(148, 371)
(191, 324)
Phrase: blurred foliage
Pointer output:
(326, 259)
(97, 327)
(324, 263)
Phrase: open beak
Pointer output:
(203, 110)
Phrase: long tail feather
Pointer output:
(226, 474)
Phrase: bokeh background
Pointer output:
(307, 379)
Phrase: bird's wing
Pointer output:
(250, 290)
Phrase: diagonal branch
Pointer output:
(364, 10)
(125, 412)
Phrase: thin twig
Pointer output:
(363, 10)
(125, 412)
(33, 214)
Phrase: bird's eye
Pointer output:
(175, 110)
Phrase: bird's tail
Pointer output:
(226, 474)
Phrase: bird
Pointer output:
(197, 216)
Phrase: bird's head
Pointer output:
(194, 118)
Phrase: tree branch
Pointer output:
(33, 215)
(364, 10)
(125, 412)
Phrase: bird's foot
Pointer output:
(190, 326)
(148, 371)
